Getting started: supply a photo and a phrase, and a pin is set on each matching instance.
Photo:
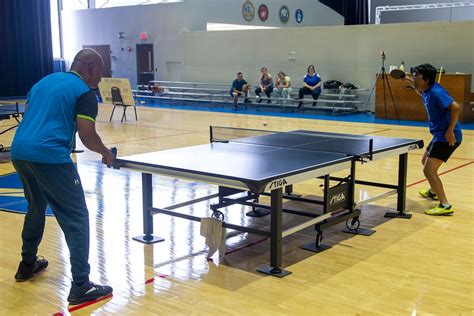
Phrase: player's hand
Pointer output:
(108, 158)
(450, 137)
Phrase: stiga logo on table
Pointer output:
(248, 11)
(278, 183)
(338, 198)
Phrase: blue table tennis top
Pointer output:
(257, 161)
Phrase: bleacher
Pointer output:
(335, 100)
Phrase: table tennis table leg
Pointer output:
(401, 189)
(275, 236)
(147, 197)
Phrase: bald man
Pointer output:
(41, 154)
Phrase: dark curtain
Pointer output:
(25, 35)
(354, 11)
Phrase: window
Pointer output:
(74, 4)
(55, 29)
(119, 3)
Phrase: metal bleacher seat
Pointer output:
(118, 101)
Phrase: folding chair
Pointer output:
(117, 101)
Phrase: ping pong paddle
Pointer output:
(397, 74)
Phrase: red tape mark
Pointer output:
(149, 281)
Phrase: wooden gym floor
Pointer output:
(419, 266)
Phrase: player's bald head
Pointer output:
(86, 57)
(89, 65)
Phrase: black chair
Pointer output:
(118, 101)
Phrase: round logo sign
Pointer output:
(284, 14)
(299, 16)
(248, 11)
(263, 12)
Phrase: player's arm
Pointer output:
(455, 110)
(87, 109)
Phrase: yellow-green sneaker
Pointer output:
(440, 210)
(426, 193)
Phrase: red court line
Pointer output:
(444, 172)
(149, 281)
(80, 306)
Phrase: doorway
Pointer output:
(145, 64)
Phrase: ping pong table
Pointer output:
(246, 164)
(10, 110)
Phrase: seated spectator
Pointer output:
(283, 86)
(240, 87)
(265, 85)
(312, 85)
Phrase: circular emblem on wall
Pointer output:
(263, 12)
(284, 14)
(248, 11)
(299, 16)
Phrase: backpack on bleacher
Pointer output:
(332, 84)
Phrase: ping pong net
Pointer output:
(359, 146)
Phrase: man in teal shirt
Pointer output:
(41, 154)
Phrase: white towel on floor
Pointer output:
(215, 233)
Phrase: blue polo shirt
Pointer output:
(437, 100)
(312, 80)
(238, 85)
(47, 129)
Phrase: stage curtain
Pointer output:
(354, 11)
(25, 35)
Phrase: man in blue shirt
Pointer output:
(41, 149)
(240, 87)
(312, 85)
(443, 113)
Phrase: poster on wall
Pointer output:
(263, 12)
(284, 14)
(105, 87)
(299, 16)
(248, 11)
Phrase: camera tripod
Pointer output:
(382, 74)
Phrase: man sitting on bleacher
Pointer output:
(240, 87)
(312, 85)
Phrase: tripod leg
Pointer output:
(372, 90)
(393, 100)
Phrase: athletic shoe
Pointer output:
(247, 101)
(269, 101)
(440, 210)
(87, 292)
(426, 193)
(27, 271)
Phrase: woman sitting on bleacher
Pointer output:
(312, 85)
(283, 86)
(265, 85)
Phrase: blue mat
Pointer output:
(12, 197)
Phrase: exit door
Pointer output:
(145, 65)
